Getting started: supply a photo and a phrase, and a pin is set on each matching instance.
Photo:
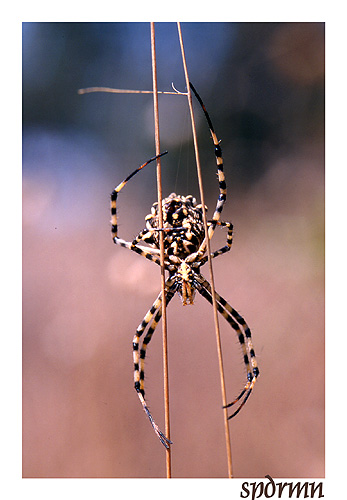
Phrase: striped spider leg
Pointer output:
(149, 253)
(153, 316)
(228, 312)
(149, 323)
(237, 322)
(185, 252)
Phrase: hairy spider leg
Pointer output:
(148, 253)
(244, 336)
(220, 173)
(226, 247)
(252, 377)
(205, 291)
(151, 321)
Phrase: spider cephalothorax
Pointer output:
(186, 286)
(184, 253)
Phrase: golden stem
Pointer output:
(161, 241)
(215, 312)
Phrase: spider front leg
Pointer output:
(220, 172)
(150, 321)
(148, 253)
(243, 332)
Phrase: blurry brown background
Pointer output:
(83, 297)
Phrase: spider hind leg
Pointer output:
(239, 325)
(150, 321)
(245, 393)
(163, 439)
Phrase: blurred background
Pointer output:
(83, 297)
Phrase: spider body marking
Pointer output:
(182, 223)
(184, 254)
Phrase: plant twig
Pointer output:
(161, 242)
(214, 303)
(89, 90)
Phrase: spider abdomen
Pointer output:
(183, 224)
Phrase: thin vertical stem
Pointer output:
(215, 313)
(161, 241)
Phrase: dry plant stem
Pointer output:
(161, 242)
(219, 346)
(89, 90)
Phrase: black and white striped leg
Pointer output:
(148, 253)
(220, 172)
(243, 332)
(226, 247)
(149, 322)
(229, 242)
(151, 254)
(251, 376)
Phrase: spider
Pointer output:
(185, 253)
